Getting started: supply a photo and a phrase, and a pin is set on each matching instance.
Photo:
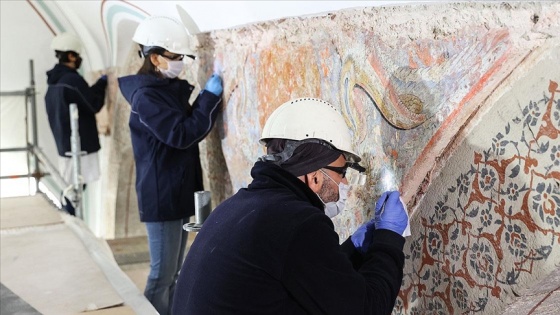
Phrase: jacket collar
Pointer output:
(269, 175)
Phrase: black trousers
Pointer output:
(68, 207)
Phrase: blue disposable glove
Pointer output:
(363, 236)
(214, 85)
(103, 77)
(390, 213)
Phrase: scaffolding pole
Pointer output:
(31, 138)
(76, 147)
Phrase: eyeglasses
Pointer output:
(174, 57)
(338, 169)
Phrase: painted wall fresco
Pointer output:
(490, 224)
(405, 82)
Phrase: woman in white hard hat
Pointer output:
(165, 131)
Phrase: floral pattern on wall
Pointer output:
(495, 226)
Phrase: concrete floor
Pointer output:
(51, 263)
(133, 257)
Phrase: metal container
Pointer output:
(202, 206)
(202, 209)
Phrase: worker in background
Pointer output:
(165, 131)
(272, 249)
(67, 86)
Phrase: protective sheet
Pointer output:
(19, 212)
(48, 267)
(13, 135)
(53, 262)
(12, 122)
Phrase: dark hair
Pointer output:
(148, 67)
(62, 56)
(275, 145)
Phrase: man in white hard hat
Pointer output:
(272, 249)
(67, 86)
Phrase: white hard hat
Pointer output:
(67, 42)
(310, 118)
(164, 32)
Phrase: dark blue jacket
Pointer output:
(67, 86)
(270, 249)
(165, 131)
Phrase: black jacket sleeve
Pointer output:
(355, 257)
(320, 276)
(79, 92)
(171, 125)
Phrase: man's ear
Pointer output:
(315, 181)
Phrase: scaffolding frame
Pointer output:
(34, 153)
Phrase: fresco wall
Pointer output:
(456, 105)
(488, 227)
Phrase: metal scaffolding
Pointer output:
(38, 165)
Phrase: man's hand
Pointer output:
(390, 213)
(363, 236)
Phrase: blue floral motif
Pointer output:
(456, 251)
(434, 243)
(441, 211)
(415, 311)
(460, 294)
(499, 144)
(556, 113)
(532, 114)
(463, 184)
(482, 262)
(512, 276)
(436, 307)
(486, 216)
(487, 179)
(555, 155)
(512, 191)
(399, 306)
(517, 242)
(416, 249)
(436, 278)
(546, 202)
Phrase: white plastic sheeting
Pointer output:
(52, 261)
(13, 135)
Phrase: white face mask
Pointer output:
(333, 208)
(174, 68)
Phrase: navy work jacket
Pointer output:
(165, 131)
(67, 86)
(270, 249)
